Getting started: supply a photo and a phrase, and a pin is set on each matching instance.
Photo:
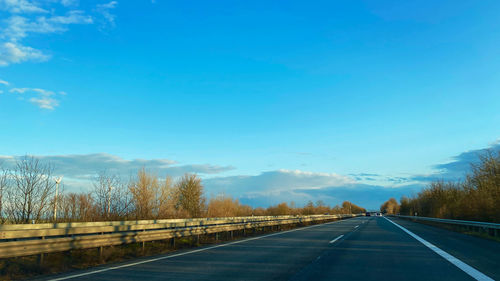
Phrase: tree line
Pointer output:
(477, 197)
(29, 193)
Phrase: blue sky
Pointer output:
(249, 94)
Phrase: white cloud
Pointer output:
(67, 3)
(84, 167)
(19, 90)
(45, 102)
(20, 25)
(276, 181)
(43, 92)
(20, 6)
(13, 53)
(44, 99)
(278, 186)
(265, 189)
(3, 82)
(104, 10)
(72, 17)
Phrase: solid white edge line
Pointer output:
(333, 241)
(185, 253)
(474, 273)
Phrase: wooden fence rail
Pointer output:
(32, 239)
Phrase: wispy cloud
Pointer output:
(3, 82)
(19, 27)
(39, 17)
(105, 11)
(11, 52)
(67, 3)
(21, 6)
(45, 102)
(19, 90)
(42, 98)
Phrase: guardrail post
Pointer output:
(101, 250)
(172, 242)
(143, 243)
(40, 257)
(231, 235)
(217, 236)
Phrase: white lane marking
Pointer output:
(333, 241)
(185, 253)
(356, 226)
(474, 273)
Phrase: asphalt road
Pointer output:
(364, 248)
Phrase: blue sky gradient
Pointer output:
(232, 89)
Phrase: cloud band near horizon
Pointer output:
(263, 189)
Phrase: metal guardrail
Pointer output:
(491, 228)
(32, 239)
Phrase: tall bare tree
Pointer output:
(4, 176)
(110, 196)
(32, 188)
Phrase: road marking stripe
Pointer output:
(185, 253)
(356, 226)
(333, 241)
(474, 273)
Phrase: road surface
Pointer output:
(363, 248)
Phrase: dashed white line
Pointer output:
(333, 241)
(356, 226)
(474, 273)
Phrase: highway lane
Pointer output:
(365, 248)
(381, 250)
(479, 253)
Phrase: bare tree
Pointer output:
(110, 197)
(31, 191)
(77, 207)
(4, 176)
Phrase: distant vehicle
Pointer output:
(368, 214)
(379, 214)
